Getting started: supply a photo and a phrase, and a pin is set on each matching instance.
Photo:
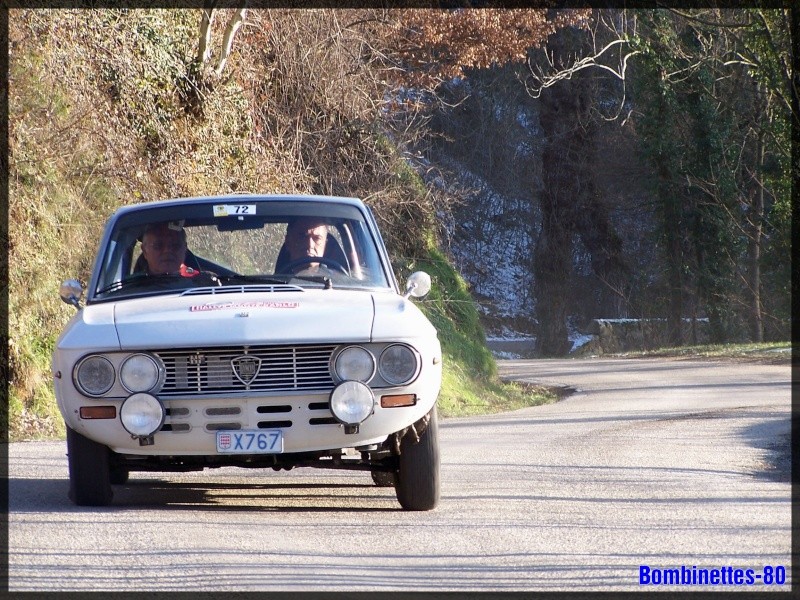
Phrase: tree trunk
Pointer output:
(562, 111)
(672, 219)
(235, 22)
(754, 257)
(756, 221)
(204, 39)
(552, 269)
(605, 246)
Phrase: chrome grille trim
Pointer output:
(223, 426)
(270, 416)
(203, 372)
(241, 289)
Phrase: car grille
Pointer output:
(259, 368)
(241, 289)
(230, 417)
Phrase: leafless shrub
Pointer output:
(325, 104)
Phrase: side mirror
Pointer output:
(419, 284)
(71, 292)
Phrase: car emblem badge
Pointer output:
(246, 368)
(197, 359)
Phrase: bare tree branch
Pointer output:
(697, 19)
(546, 81)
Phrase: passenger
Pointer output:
(164, 250)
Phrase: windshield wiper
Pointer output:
(254, 278)
(323, 279)
(279, 278)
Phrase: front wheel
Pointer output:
(418, 485)
(89, 471)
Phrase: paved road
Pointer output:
(663, 464)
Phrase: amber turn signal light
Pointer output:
(398, 400)
(98, 412)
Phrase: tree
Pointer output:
(425, 47)
(712, 104)
(203, 72)
(568, 196)
(204, 43)
(728, 119)
(569, 206)
(431, 47)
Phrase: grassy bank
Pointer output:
(777, 352)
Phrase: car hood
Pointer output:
(313, 316)
(399, 318)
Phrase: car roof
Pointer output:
(238, 198)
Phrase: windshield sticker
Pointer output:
(240, 305)
(230, 210)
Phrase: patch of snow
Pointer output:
(579, 340)
(501, 355)
(507, 334)
(503, 346)
(489, 249)
(621, 321)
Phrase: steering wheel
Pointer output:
(324, 260)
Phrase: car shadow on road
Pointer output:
(46, 495)
(774, 437)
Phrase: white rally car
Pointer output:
(244, 354)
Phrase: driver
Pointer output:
(164, 250)
(306, 237)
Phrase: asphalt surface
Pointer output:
(649, 466)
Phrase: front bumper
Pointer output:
(305, 418)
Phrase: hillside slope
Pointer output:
(107, 108)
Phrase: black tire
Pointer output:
(418, 484)
(383, 478)
(118, 475)
(89, 471)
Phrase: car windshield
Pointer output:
(236, 242)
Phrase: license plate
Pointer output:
(264, 441)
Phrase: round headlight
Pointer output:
(142, 414)
(139, 373)
(94, 375)
(354, 363)
(398, 364)
(352, 402)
